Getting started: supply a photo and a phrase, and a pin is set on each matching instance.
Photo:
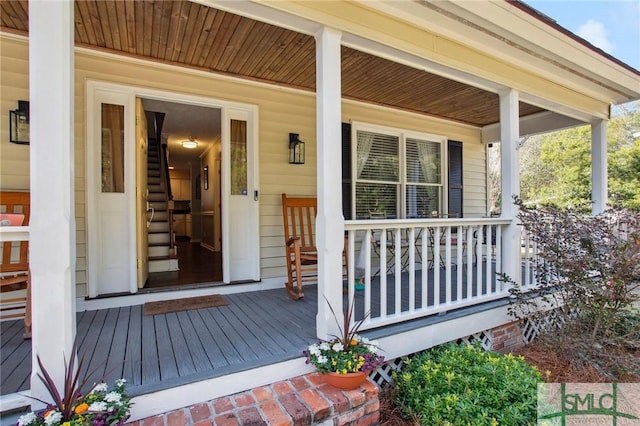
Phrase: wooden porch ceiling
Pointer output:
(196, 36)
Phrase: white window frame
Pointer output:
(402, 136)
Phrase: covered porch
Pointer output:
(258, 339)
(341, 70)
(435, 284)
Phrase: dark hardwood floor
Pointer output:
(196, 263)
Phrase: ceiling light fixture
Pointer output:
(190, 144)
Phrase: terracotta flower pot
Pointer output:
(345, 381)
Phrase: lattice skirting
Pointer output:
(484, 337)
(533, 327)
(383, 376)
(530, 327)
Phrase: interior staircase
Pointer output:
(162, 253)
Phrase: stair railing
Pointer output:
(163, 153)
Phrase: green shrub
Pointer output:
(465, 385)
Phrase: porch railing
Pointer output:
(405, 269)
(14, 233)
(530, 258)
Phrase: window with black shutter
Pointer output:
(397, 173)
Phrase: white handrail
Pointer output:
(14, 233)
(423, 266)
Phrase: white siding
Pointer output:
(282, 111)
(14, 86)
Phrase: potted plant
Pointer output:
(99, 407)
(346, 359)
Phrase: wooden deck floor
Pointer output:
(162, 351)
(166, 350)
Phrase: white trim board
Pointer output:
(420, 339)
(84, 304)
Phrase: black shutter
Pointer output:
(455, 192)
(346, 170)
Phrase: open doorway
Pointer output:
(119, 218)
(184, 221)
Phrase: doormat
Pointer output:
(175, 305)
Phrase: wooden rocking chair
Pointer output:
(14, 269)
(299, 214)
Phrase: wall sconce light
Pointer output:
(19, 124)
(296, 149)
(190, 144)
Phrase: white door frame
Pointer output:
(92, 86)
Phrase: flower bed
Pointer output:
(100, 407)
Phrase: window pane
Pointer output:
(377, 157)
(423, 161)
(238, 157)
(112, 148)
(423, 201)
(376, 197)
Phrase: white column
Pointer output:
(330, 222)
(510, 162)
(52, 224)
(598, 166)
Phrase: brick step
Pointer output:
(302, 400)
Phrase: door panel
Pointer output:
(241, 254)
(142, 195)
(111, 270)
(110, 193)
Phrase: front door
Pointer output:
(116, 222)
(241, 238)
(111, 193)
